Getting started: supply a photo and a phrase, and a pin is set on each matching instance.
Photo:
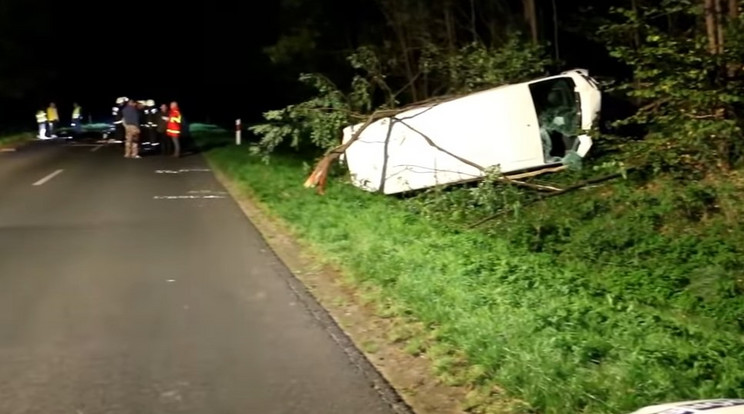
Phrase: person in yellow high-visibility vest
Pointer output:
(77, 118)
(52, 120)
(41, 121)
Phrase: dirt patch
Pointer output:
(381, 339)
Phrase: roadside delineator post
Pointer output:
(238, 129)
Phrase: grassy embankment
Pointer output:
(12, 140)
(597, 301)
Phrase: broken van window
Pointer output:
(558, 113)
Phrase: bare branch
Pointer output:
(318, 177)
(574, 187)
(433, 144)
(536, 173)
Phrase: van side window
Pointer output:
(558, 113)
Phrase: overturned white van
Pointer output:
(514, 127)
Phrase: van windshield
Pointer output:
(557, 105)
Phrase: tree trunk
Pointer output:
(710, 25)
(530, 15)
(636, 32)
(449, 24)
(719, 25)
(473, 30)
(394, 16)
(636, 44)
(407, 61)
(555, 31)
(733, 13)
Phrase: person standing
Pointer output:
(52, 120)
(162, 125)
(173, 128)
(150, 123)
(131, 121)
(41, 120)
(77, 118)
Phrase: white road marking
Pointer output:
(206, 192)
(48, 177)
(186, 197)
(182, 170)
(96, 148)
(7, 149)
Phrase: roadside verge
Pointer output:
(10, 143)
(379, 336)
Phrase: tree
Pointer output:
(689, 105)
(530, 16)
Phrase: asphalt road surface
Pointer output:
(138, 287)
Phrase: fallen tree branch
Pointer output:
(536, 173)
(350, 113)
(574, 187)
(319, 176)
(433, 144)
(530, 185)
(512, 179)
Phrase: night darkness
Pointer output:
(206, 55)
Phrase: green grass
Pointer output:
(16, 138)
(600, 301)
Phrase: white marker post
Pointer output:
(238, 129)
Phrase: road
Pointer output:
(138, 286)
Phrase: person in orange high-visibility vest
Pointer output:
(173, 129)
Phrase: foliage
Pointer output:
(320, 119)
(690, 105)
(16, 138)
(475, 66)
(600, 301)
(463, 205)
(301, 43)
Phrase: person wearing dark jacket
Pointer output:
(131, 118)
